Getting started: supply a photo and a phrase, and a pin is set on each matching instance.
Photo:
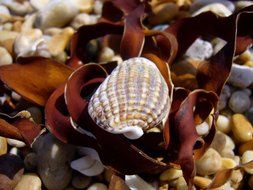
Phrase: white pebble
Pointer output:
(247, 157)
(84, 19)
(200, 49)
(5, 57)
(39, 4)
(239, 102)
(134, 182)
(223, 124)
(201, 3)
(98, 186)
(216, 8)
(202, 129)
(16, 143)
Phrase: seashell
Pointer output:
(133, 99)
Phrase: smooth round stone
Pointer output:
(54, 159)
(106, 54)
(201, 3)
(236, 177)
(200, 49)
(201, 182)
(209, 163)
(136, 182)
(4, 13)
(84, 19)
(241, 128)
(16, 143)
(98, 186)
(216, 8)
(181, 184)
(223, 124)
(225, 94)
(14, 151)
(3, 146)
(242, 4)
(31, 161)
(5, 57)
(222, 142)
(228, 163)
(171, 174)
(247, 157)
(29, 182)
(164, 13)
(80, 181)
(38, 4)
(202, 129)
(239, 102)
(46, 17)
(249, 114)
(98, 6)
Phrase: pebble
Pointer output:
(14, 151)
(7, 39)
(38, 4)
(106, 54)
(28, 23)
(203, 128)
(171, 174)
(216, 8)
(3, 145)
(239, 101)
(5, 57)
(200, 49)
(236, 176)
(241, 76)
(31, 161)
(80, 181)
(225, 94)
(223, 124)
(209, 163)
(181, 184)
(84, 6)
(249, 114)
(201, 3)
(20, 8)
(4, 13)
(201, 182)
(98, 5)
(247, 157)
(164, 12)
(87, 166)
(98, 186)
(241, 128)
(59, 42)
(29, 181)
(46, 17)
(83, 19)
(135, 182)
(227, 163)
(53, 163)
(15, 143)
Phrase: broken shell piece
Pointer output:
(133, 99)
(88, 166)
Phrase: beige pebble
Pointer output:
(3, 146)
(98, 186)
(203, 128)
(28, 23)
(171, 174)
(106, 54)
(209, 163)
(7, 39)
(201, 182)
(223, 124)
(247, 157)
(216, 8)
(164, 13)
(181, 184)
(5, 57)
(236, 177)
(29, 182)
(227, 163)
(8, 26)
(241, 128)
(84, 19)
(246, 56)
(84, 6)
(117, 58)
(52, 31)
(246, 146)
(250, 182)
(38, 4)
(59, 42)
(248, 63)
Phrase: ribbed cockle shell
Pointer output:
(132, 99)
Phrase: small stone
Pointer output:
(216, 8)
(236, 176)
(98, 5)
(117, 58)
(16, 143)
(59, 42)
(171, 174)
(7, 39)
(4, 13)
(225, 94)
(5, 57)
(200, 50)
(242, 4)
(106, 54)
(241, 128)
(201, 182)
(53, 161)
(209, 163)
(84, 6)
(14, 151)
(80, 181)
(247, 157)
(8, 26)
(181, 184)
(98, 186)
(28, 23)
(31, 161)
(29, 182)
(249, 114)
(87, 166)
(66, 9)
(239, 102)
(227, 163)
(201, 3)
(135, 182)
(83, 19)
(241, 76)
(15, 96)
(38, 4)
(164, 12)
(248, 64)
(203, 128)
(18, 7)
(3, 146)
(223, 124)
